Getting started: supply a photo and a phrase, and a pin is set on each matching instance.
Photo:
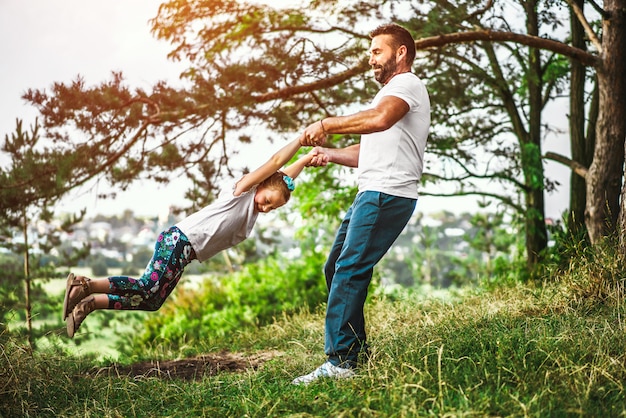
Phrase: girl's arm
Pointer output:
(296, 168)
(275, 163)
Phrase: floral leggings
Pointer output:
(172, 252)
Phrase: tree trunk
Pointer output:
(29, 313)
(536, 237)
(604, 180)
(579, 145)
(614, 43)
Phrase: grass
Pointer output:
(520, 351)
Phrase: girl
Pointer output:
(200, 236)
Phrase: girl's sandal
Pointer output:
(79, 313)
(82, 285)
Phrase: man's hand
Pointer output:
(314, 135)
(319, 157)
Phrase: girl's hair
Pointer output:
(276, 182)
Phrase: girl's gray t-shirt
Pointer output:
(221, 225)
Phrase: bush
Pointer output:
(594, 276)
(99, 267)
(11, 287)
(250, 298)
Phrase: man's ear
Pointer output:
(401, 53)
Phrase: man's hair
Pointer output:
(400, 37)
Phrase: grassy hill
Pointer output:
(541, 351)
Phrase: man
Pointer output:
(389, 158)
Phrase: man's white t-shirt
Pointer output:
(392, 161)
(221, 225)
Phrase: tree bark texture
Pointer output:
(536, 236)
(579, 145)
(615, 65)
(604, 181)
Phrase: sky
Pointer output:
(55, 41)
(47, 41)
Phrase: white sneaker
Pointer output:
(325, 370)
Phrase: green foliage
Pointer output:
(30, 186)
(99, 267)
(509, 271)
(141, 257)
(327, 194)
(594, 275)
(447, 249)
(531, 158)
(43, 310)
(11, 288)
(247, 299)
(515, 351)
(27, 180)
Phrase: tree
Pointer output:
(24, 207)
(582, 142)
(490, 100)
(251, 65)
(168, 26)
(604, 211)
(604, 182)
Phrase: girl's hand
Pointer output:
(319, 157)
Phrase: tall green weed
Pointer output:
(593, 276)
(252, 297)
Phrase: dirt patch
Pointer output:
(193, 368)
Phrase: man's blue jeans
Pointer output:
(368, 230)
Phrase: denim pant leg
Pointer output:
(335, 251)
(368, 230)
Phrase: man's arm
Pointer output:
(389, 110)
(348, 156)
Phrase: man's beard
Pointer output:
(387, 70)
